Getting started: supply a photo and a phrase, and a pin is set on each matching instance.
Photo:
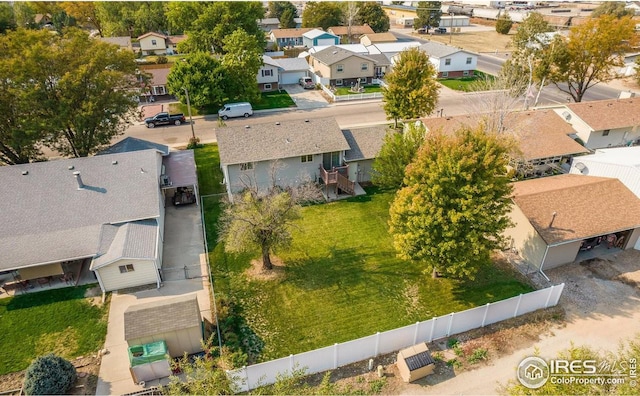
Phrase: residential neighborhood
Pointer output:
(319, 197)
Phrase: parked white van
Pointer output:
(242, 109)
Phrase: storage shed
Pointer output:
(415, 362)
(176, 321)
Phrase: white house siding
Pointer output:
(147, 46)
(178, 341)
(582, 129)
(561, 254)
(272, 79)
(526, 240)
(616, 137)
(361, 170)
(144, 273)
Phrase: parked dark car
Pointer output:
(164, 118)
(440, 30)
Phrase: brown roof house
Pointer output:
(543, 138)
(336, 66)
(288, 37)
(154, 43)
(566, 218)
(604, 123)
(347, 37)
(375, 38)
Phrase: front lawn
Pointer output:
(367, 89)
(466, 84)
(274, 100)
(342, 279)
(60, 321)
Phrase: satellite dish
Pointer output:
(580, 166)
(566, 115)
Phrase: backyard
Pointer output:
(339, 280)
(61, 321)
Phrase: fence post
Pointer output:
(450, 323)
(486, 311)
(515, 313)
(335, 355)
(559, 294)
(186, 272)
(433, 325)
(291, 363)
(546, 304)
(377, 343)
(415, 335)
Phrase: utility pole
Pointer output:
(451, 27)
(193, 133)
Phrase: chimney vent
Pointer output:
(25, 172)
(247, 127)
(307, 120)
(71, 167)
(79, 180)
(114, 162)
(278, 123)
(553, 217)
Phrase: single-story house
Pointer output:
(350, 37)
(157, 82)
(268, 74)
(454, 21)
(543, 137)
(391, 49)
(176, 321)
(336, 66)
(288, 37)
(566, 218)
(269, 24)
(365, 144)
(316, 37)
(124, 42)
(292, 70)
(604, 123)
(375, 38)
(154, 43)
(289, 153)
(450, 61)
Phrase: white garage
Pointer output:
(292, 69)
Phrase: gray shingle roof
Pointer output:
(147, 319)
(134, 144)
(334, 54)
(365, 143)
(293, 64)
(264, 142)
(438, 50)
(380, 59)
(135, 240)
(46, 218)
(267, 60)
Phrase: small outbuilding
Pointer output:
(415, 362)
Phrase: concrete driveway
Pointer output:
(305, 98)
(183, 244)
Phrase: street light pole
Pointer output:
(193, 133)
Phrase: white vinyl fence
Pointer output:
(338, 355)
(355, 96)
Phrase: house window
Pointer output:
(307, 158)
(267, 87)
(267, 73)
(447, 61)
(465, 73)
(606, 132)
(363, 80)
(468, 60)
(153, 42)
(339, 68)
(339, 82)
(364, 67)
(126, 268)
(246, 166)
(445, 74)
(159, 90)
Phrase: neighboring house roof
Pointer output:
(293, 64)
(265, 142)
(180, 167)
(364, 143)
(355, 30)
(608, 114)
(268, 21)
(176, 39)
(380, 59)
(540, 133)
(134, 240)
(129, 144)
(334, 54)
(386, 37)
(391, 48)
(622, 163)
(357, 48)
(438, 50)
(156, 34)
(290, 33)
(267, 60)
(315, 33)
(47, 218)
(626, 156)
(158, 75)
(122, 41)
(161, 316)
(584, 206)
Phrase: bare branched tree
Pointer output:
(350, 14)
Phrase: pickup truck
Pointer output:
(164, 118)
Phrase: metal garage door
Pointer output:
(329, 41)
(292, 77)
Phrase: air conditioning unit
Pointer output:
(164, 181)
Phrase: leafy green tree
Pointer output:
(372, 14)
(504, 22)
(204, 78)
(590, 54)
(398, 150)
(636, 68)
(529, 35)
(455, 205)
(181, 14)
(242, 60)
(287, 19)
(322, 14)
(412, 89)
(85, 13)
(24, 14)
(49, 375)
(133, 18)
(429, 14)
(7, 18)
(278, 8)
(62, 20)
(615, 8)
(219, 19)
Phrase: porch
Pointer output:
(336, 184)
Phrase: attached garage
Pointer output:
(566, 218)
(175, 321)
(292, 70)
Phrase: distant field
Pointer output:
(489, 41)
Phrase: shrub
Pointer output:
(478, 355)
(49, 375)
(161, 60)
(504, 23)
(194, 142)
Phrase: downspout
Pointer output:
(542, 264)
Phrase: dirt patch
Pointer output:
(488, 41)
(257, 271)
(86, 384)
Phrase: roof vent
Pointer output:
(25, 172)
(71, 167)
(335, 52)
(142, 170)
(79, 180)
(247, 127)
(287, 140)
(566, 115)
(307, 120)
(278, 123)
(114, 162)
(553, 217)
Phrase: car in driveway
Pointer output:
(306, 83)
(440, 30)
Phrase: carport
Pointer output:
(179, 171)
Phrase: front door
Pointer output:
(331, 160)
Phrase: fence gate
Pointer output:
(181, 273)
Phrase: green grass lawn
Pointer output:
(182, 108)
(274, 100)
(208, 168)
(367, 89)
(466, 84)
(342, 281)
(60, 321)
